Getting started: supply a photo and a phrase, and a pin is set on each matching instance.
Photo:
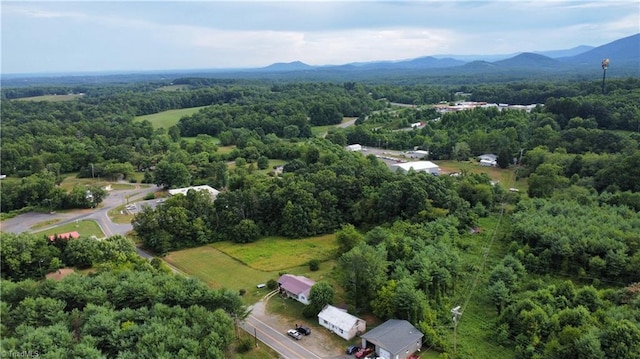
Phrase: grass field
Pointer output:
(51, 98)
(84, 228)
(170, 88)
(506, 177)
(166, 119)
(277, 253)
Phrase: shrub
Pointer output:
(272, 284)
(314, 265)
(242, 292)
(244, 345)
(149, 196)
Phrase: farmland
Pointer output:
(166, 119)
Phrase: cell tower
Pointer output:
(605, 66)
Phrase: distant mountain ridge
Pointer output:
(623, 52)
(624, 55)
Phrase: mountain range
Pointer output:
(582, 62)
(624, 55)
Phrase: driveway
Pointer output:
(271, 329)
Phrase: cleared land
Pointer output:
(166, 119)
(84, 228)
(51, 98)
(277, 253)
(506, 177)
(173, 88)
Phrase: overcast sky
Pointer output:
(55, 36)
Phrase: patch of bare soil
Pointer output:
(60, 273)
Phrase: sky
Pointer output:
(83, 36)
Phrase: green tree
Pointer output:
(321, 294)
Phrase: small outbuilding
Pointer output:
(393, 339)
(296, 286)
(488, 157)
(354, 147)
(341, 323)
(417, 166)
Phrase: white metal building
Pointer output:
(417, 166)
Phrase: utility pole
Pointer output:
(456, 317)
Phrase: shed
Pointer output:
(341, 323)
(296, 286)
(394, 339)
(488, 157)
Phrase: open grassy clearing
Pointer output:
(506, 177)
(170, 88)
(166, 119)
(226, 149)
(85, 228)
(277, 253)
(51, 98)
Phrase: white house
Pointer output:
(354, 147)
(488, 160)
(183, 191)
(487, 163)
(340, 322)
(417, 166)
(296, 286)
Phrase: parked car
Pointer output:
(363, 352)
(294, 334)
(352, 349)
(304, 330)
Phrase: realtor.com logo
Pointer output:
(21, 354)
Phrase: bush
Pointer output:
(244, 345)
(272, 284)
(314, 265)
(242, 292)
(149, 196)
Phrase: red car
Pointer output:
(363, 352)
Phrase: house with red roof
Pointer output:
(296, 286)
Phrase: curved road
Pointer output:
(287, 347)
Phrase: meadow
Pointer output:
(51, 98)
(244, 266)
(166, 119)
(85, 228)
(505, 176)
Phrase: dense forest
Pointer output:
(564, 283)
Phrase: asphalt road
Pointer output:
(286, 346)
(278, 340)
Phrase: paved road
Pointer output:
(286, 346)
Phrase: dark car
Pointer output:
(352, 349)
(304, 330)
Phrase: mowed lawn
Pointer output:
(506, 177)
(277, 253)
(166, 119)
(267, 258)
(85, 228)
(216, 269)
(51, 98)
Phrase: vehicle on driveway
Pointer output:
(304, 330)
(363, 352)
(294, 334)
(352, 349)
